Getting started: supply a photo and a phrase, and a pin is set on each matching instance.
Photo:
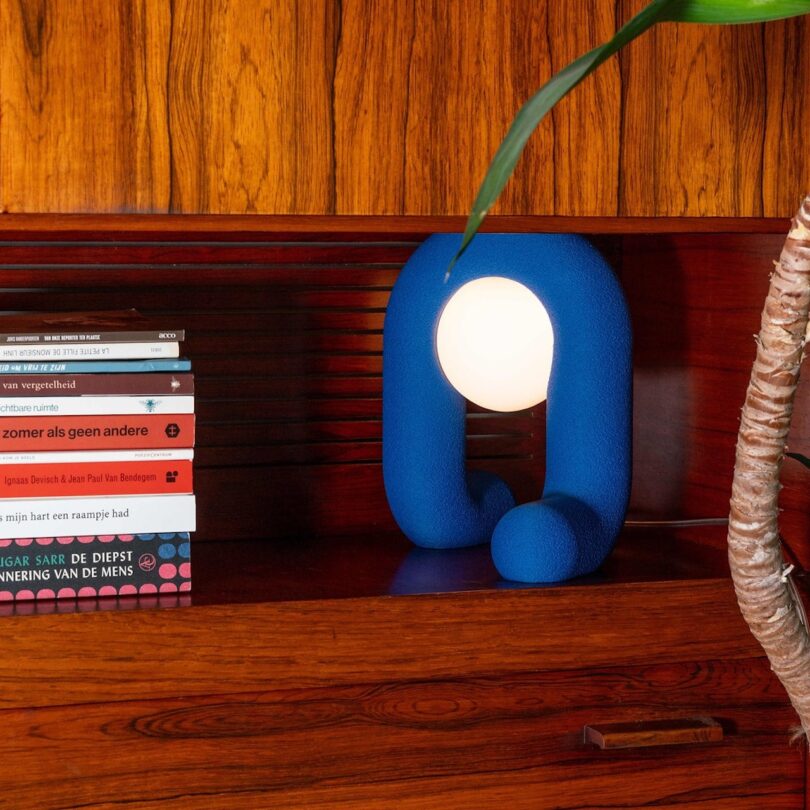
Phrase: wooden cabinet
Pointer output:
(320, 661)
(437, 744)
(466, 698)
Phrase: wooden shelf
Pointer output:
(351, 609)
(290, 703)
(331, 615)
(253, 227)
(281, 597)
(243, 572)
(236, 572)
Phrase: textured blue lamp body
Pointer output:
(435, 500)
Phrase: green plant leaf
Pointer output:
(800, 458)
(735, 11)
(536, 108)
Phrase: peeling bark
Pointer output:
(767, 600)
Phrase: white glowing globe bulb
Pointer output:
(495, 344)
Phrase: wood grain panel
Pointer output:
(715, 790)
(788, 62)
(693, 128)
(703, 112)
(586, 124)
(475, 89)
(84, 128)
(288, 744)
(375, 106)
(370, 105)
(716, 787)
(265, 121)
(112, 655)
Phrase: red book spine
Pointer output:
(65, 385)
(133, 431)
(93, 479)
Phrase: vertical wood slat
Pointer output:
(83, 128)
(266, 77)
(372, 106)
(586, 124)
(785, 165)
(694, 118)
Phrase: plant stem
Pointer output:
(755, 552)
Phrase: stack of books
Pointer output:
(96, 451)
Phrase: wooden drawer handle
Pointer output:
(654, 732)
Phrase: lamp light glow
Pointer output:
(495, 344)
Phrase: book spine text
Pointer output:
(94, 566)
(42, 433)
(15, 385)
(91, 479)
(119, 336)
(88, 351)
(107, 515)
(96, 367)
(94, 405)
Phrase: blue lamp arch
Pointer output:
(435, 499)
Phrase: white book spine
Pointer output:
(112, 514)
(90, 351)
(94, 405)
(96, 456)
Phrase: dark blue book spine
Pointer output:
(102, 565)
(96, 367)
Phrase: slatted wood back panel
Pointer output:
(696, 301)
(286, 343)
(285, 334)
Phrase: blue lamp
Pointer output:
(522, 317)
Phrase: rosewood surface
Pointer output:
(259, 227)
(113, 654)
(320, 661)
(440, 743)
(293, 107)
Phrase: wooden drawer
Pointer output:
(477, 743)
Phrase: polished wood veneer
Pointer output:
(369, 107)
(465, 690)
(441, 743)
(321, 661)
(258, 227)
